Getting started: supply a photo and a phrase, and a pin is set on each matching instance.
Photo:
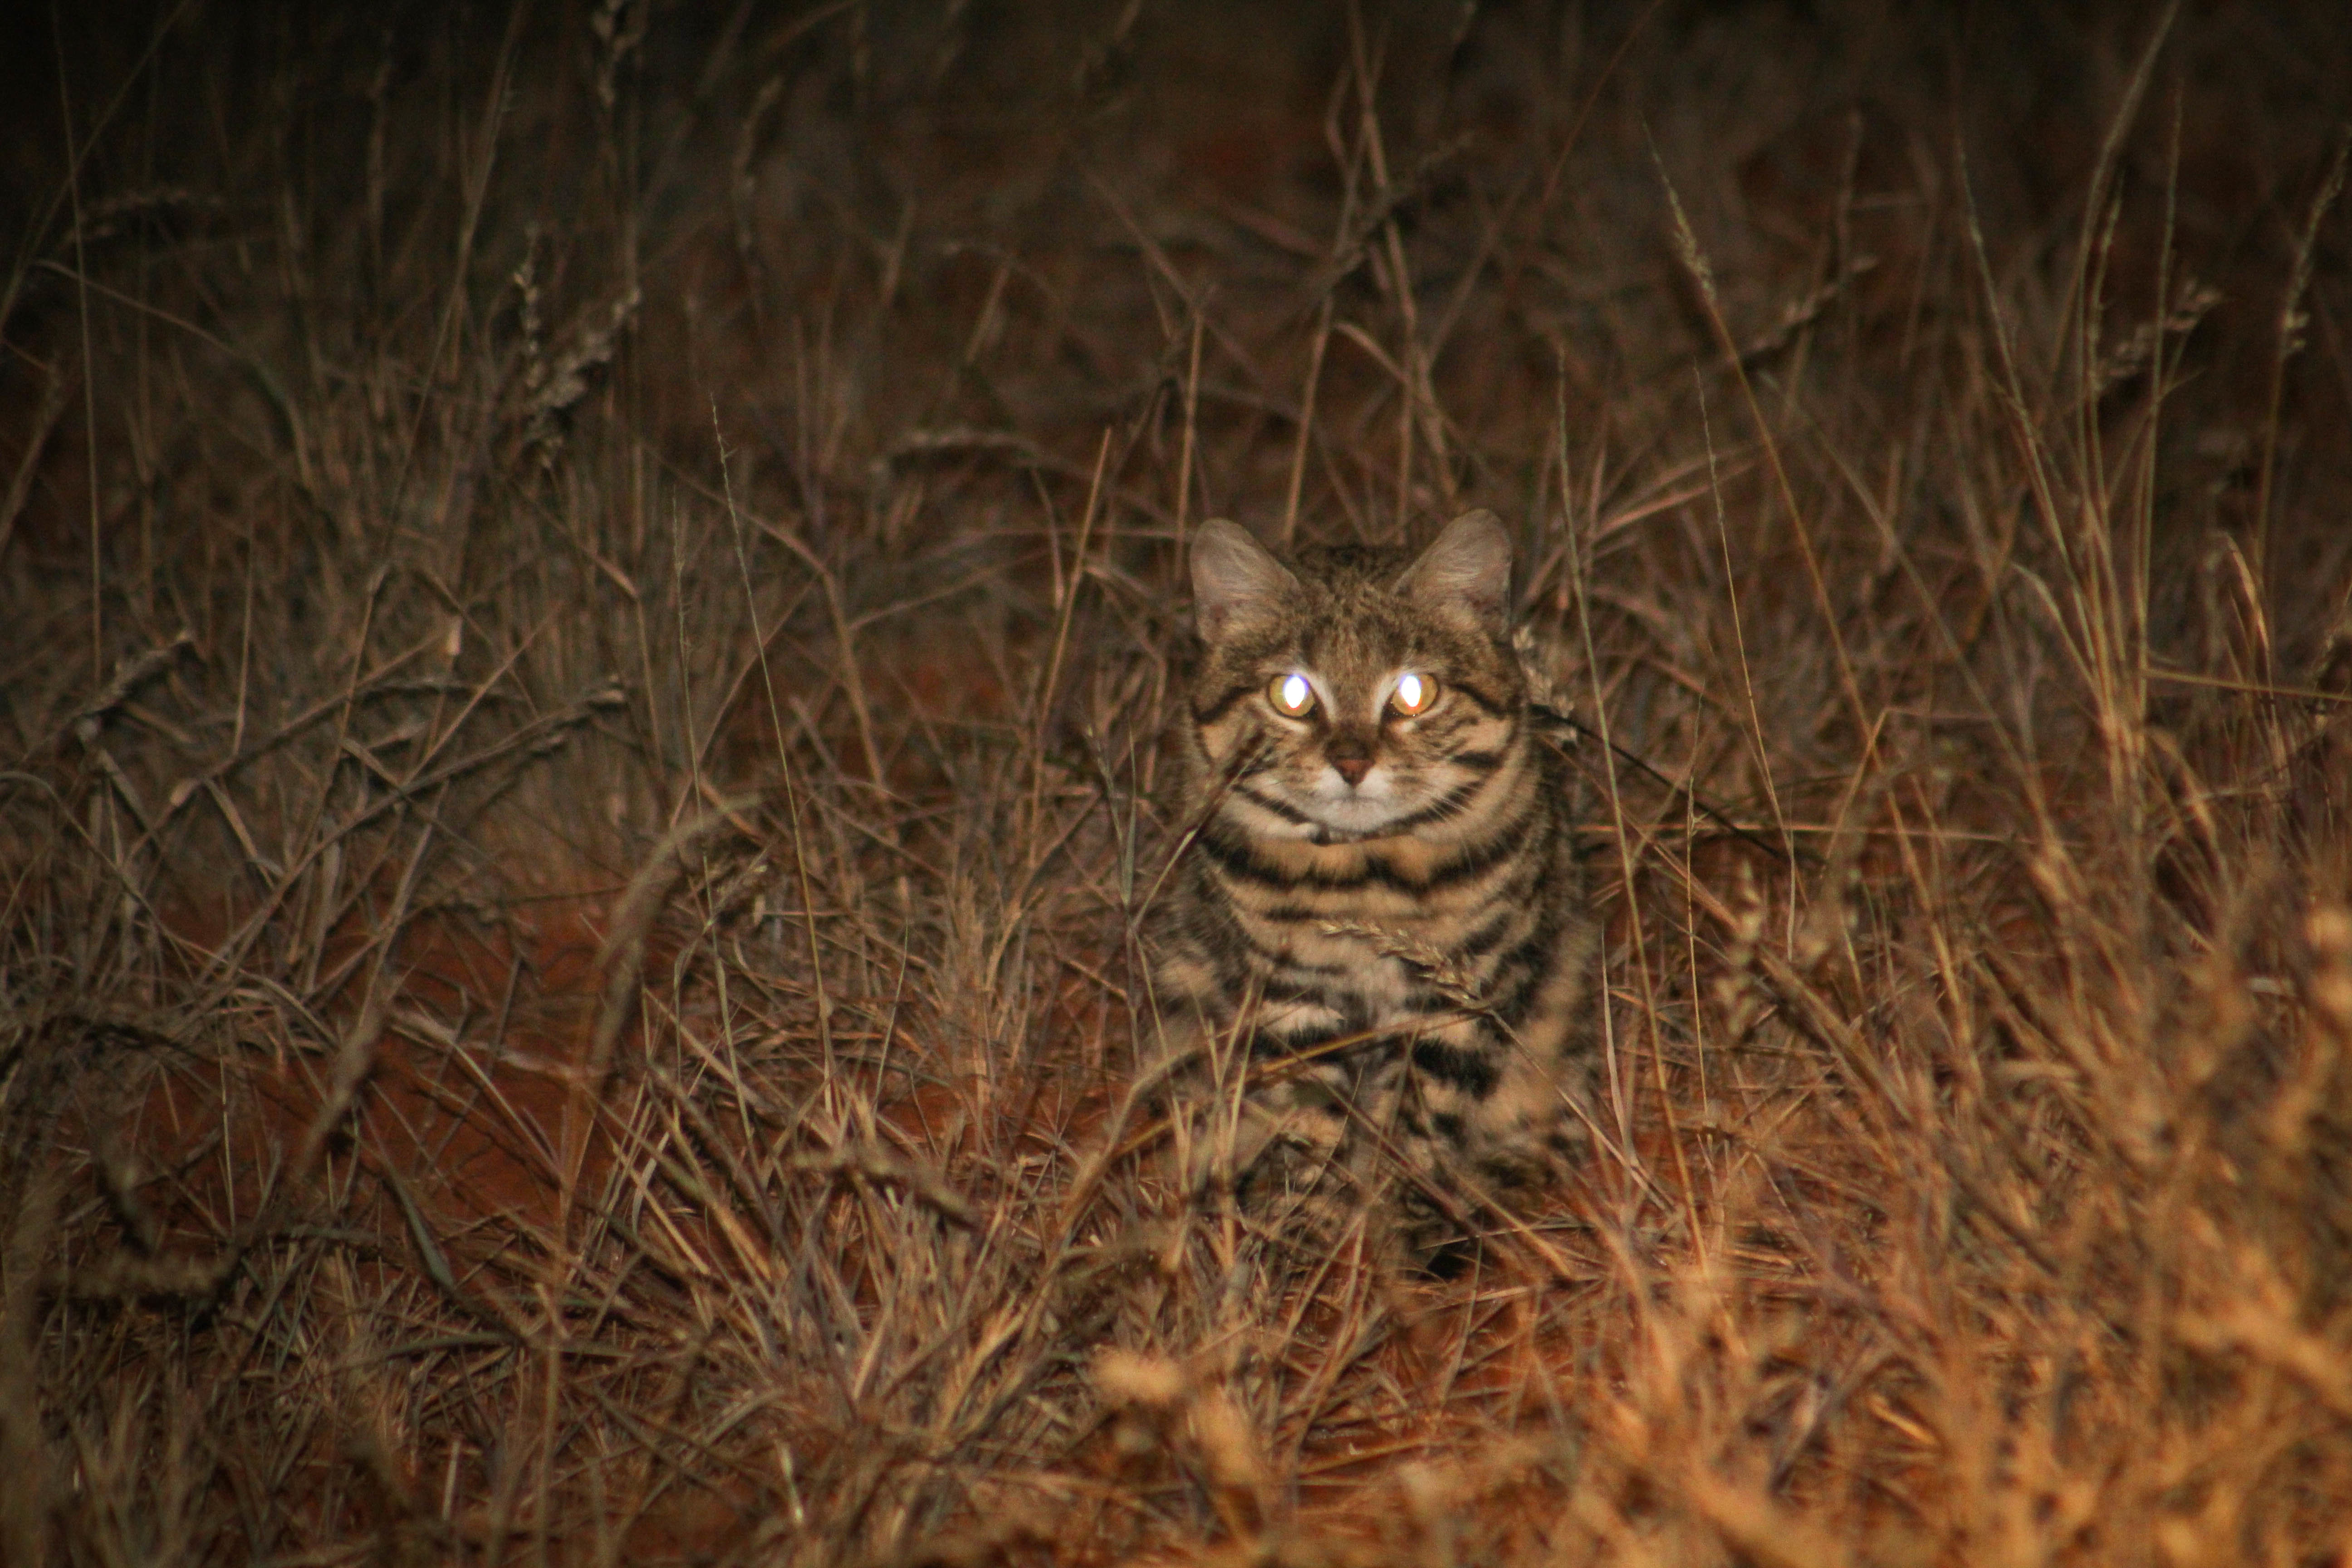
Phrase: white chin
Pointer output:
(1364, 809)
(1356, 815)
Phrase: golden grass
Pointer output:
(590, 600)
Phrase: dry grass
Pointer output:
(589, 603)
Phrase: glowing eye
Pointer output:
(1291, 695)
(1414, 693)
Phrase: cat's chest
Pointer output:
(1368, 922)
(1388, 896)
(1371, 992)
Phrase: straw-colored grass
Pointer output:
(588, 601)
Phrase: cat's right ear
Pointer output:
(1234, 579)
(1467, 569)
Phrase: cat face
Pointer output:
(1357, 697)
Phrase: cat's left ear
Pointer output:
(1466, 569)
(1234, 578)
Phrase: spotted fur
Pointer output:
(1375, 960)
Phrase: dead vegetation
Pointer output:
(587, 596)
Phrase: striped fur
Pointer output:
(1377, 954)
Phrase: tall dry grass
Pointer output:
(590, 596)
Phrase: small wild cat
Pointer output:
(1378, 938)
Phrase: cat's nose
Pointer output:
(1352, 755)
